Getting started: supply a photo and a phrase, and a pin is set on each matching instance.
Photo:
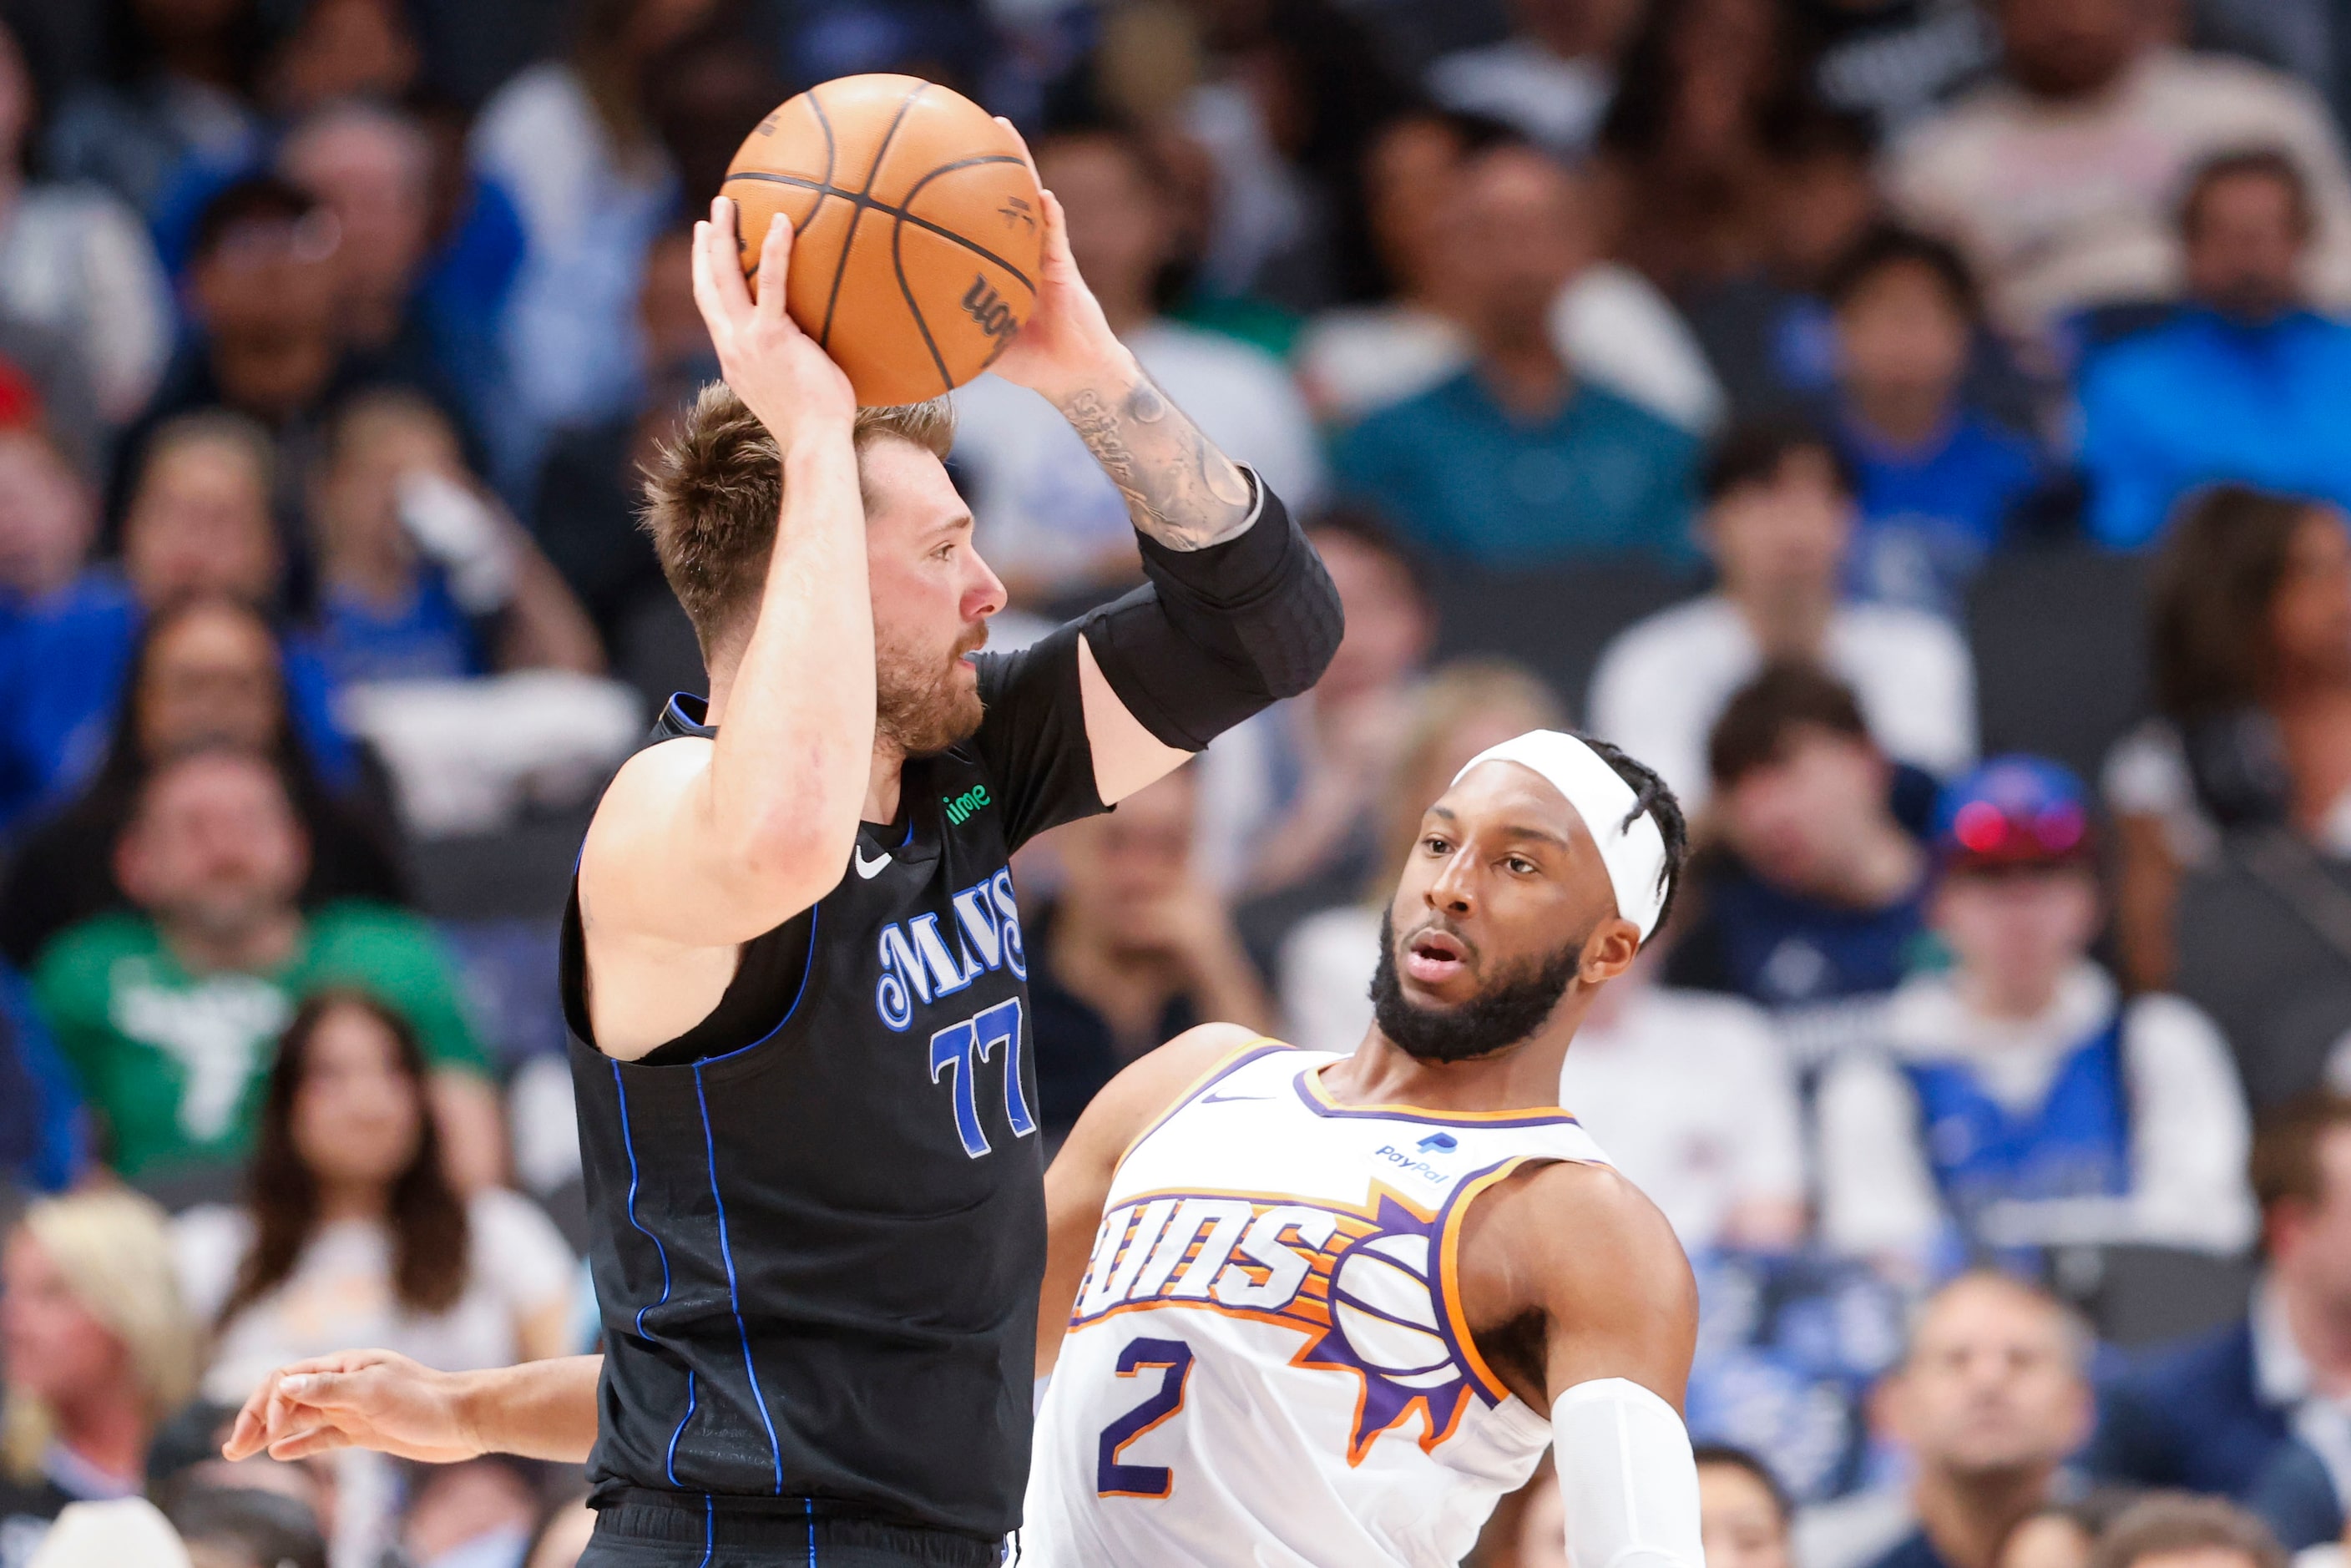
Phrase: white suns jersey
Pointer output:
(1268, 1363)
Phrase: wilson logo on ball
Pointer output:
(986, 307)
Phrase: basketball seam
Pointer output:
(914, 308)
(858, 199)
(823, 124)
(841, 262)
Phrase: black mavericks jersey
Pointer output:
(818, 1219)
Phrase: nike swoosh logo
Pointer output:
(1228, 1099)
(868, 870)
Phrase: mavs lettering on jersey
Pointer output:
(916, 964)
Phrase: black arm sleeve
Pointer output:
(1218, 633)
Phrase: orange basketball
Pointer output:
(916, 229)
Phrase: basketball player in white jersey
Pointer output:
(1305, 1309)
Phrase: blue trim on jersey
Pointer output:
(680, 1432)
(620, 1091)
(1311, 1094)
(734, 1297)
(807, 967)
(807, 1506)
(710, 1529)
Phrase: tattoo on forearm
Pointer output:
(1180, 489)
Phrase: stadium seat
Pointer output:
(2059, 638)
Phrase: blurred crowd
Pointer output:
(1914, 426)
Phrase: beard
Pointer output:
(1514, 1003)
(920, 703)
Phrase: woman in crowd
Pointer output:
(2251, 602)
(352, 1232)
(206, 670)
(98, 1352)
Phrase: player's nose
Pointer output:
(985, 595)
(1454, 890)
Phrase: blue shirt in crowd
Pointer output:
(44, 1139)
(1930, 514)
(62, 670)
(2202, 399)
(425, 637)
(1468, 481)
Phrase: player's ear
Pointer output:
(1611, 950)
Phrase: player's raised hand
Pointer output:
(777, 370)
(354, 1399)
(1067, 339)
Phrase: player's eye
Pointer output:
(1521, 864)
(1436, 845)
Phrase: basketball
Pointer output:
(916, 229)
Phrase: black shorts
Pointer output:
(637, 1528)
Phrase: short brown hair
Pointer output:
(2285, 1147)
(2209, 595)
(1760, 722)
(2175, 1521)
(713, 496)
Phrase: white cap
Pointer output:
(1633, 850)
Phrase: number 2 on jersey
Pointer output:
(1172, 1359)
(959, 1049)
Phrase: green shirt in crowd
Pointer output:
(175, 1064)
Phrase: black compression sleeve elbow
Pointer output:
(1220, 633)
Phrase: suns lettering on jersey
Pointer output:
(937, 954)
(1367, 1287)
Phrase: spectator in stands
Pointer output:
(2246, 383)
(1323, 962)
(44, 1135)
(1608, 321)
(351, 1232)
(198, 522)
(2019, 1100)
(1990, 1398)
(1286, 798)
(169, 1015)
(2249, 611)
(1052, 522)
(341, 51)
(206, 670)
(2056, 179)
(2214, 1412)
(1814, 904)
(1685, 147)
(76, 261)
(48, 520)
(98, 1351)
(1132, 950)
(584, 505)
(244, 1527)
(422, 575)
(2169, 1530)
(570, 140)
(2064, 1535)
(1779, 523)
(263, 280)
(1935, 478)
(477, 1510)
(372, 168)
(1551, 78)
(1693, 1098)
(1517, 462)
(173, 98)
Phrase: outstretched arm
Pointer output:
(376, 1399)
(1239, 612)
(706, 845)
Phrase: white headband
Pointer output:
(1634, 853)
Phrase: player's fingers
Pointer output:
(326, 1390)
(775, 261)
(309, 1441)
(705, 295)
(246, 1436)
(1022, 143)
(1056, 232)
(727, 257)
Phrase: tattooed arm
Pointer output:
(1179, 489)
(1236, 616)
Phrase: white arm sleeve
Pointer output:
(1626, 1478)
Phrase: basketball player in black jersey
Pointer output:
(793, 969)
